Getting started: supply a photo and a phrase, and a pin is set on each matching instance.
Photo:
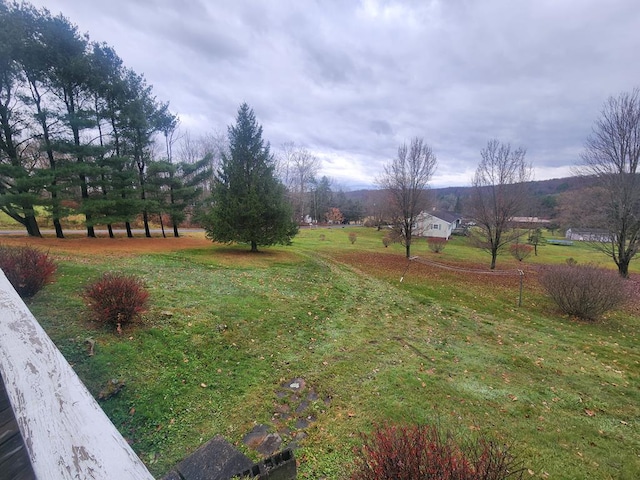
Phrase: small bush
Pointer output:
(571, 261)
(584, 291)
(394, 452)
(520, 251)
(387, 240)
(116, 299)
(27, 269)
(353, 237)
(322, 237)
(436, 244)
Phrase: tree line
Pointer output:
(80, 133)
(77, 131)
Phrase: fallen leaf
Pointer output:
(590, 413)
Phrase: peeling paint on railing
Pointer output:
(67, 434)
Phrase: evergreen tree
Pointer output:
(249, 202)
(20, 180)
(69, 76)
(322, 198)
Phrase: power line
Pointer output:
(503, 273)
(467, 270)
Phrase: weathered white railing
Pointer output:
(66, 433)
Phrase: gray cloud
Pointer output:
(352, 80)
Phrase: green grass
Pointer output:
(226, 328)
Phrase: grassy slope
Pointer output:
(442, 350)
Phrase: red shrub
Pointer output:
(520, 251)
(26, 268)
(116, 299)
(395, 452)
(436, 244)
(353, 237)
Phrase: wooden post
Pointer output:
(66, 433)
(521, 272)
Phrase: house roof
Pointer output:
(448, 217)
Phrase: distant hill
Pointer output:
(545, 193)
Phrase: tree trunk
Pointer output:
(162, 226)
(58, 226)
(110, 229)
(408, 250)
(32, 226)
(145, 220)
(29, 222)
(623, 268)
(127, 225)
(494, 256)
(254, 246)
(175, 230)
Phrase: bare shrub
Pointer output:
(584, 291)
(116, 299)
(353, 237)
(393, 452)
(387, 240)
(27, 269)
(436, 244)
(520, 251)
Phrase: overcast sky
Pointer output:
(351, 80)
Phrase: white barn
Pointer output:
(588, 235)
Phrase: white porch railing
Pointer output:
(66, 433)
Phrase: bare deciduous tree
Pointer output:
(612, 153)
(298, 169)
(498, 195)
(211, 145)
(406, 178)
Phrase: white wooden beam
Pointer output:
(66, 433)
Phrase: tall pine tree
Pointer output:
(249, 204)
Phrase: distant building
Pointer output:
(437, 224)
(588, 235)
(530, 221)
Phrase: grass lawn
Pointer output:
(226, 329)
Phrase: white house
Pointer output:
(437, 224)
